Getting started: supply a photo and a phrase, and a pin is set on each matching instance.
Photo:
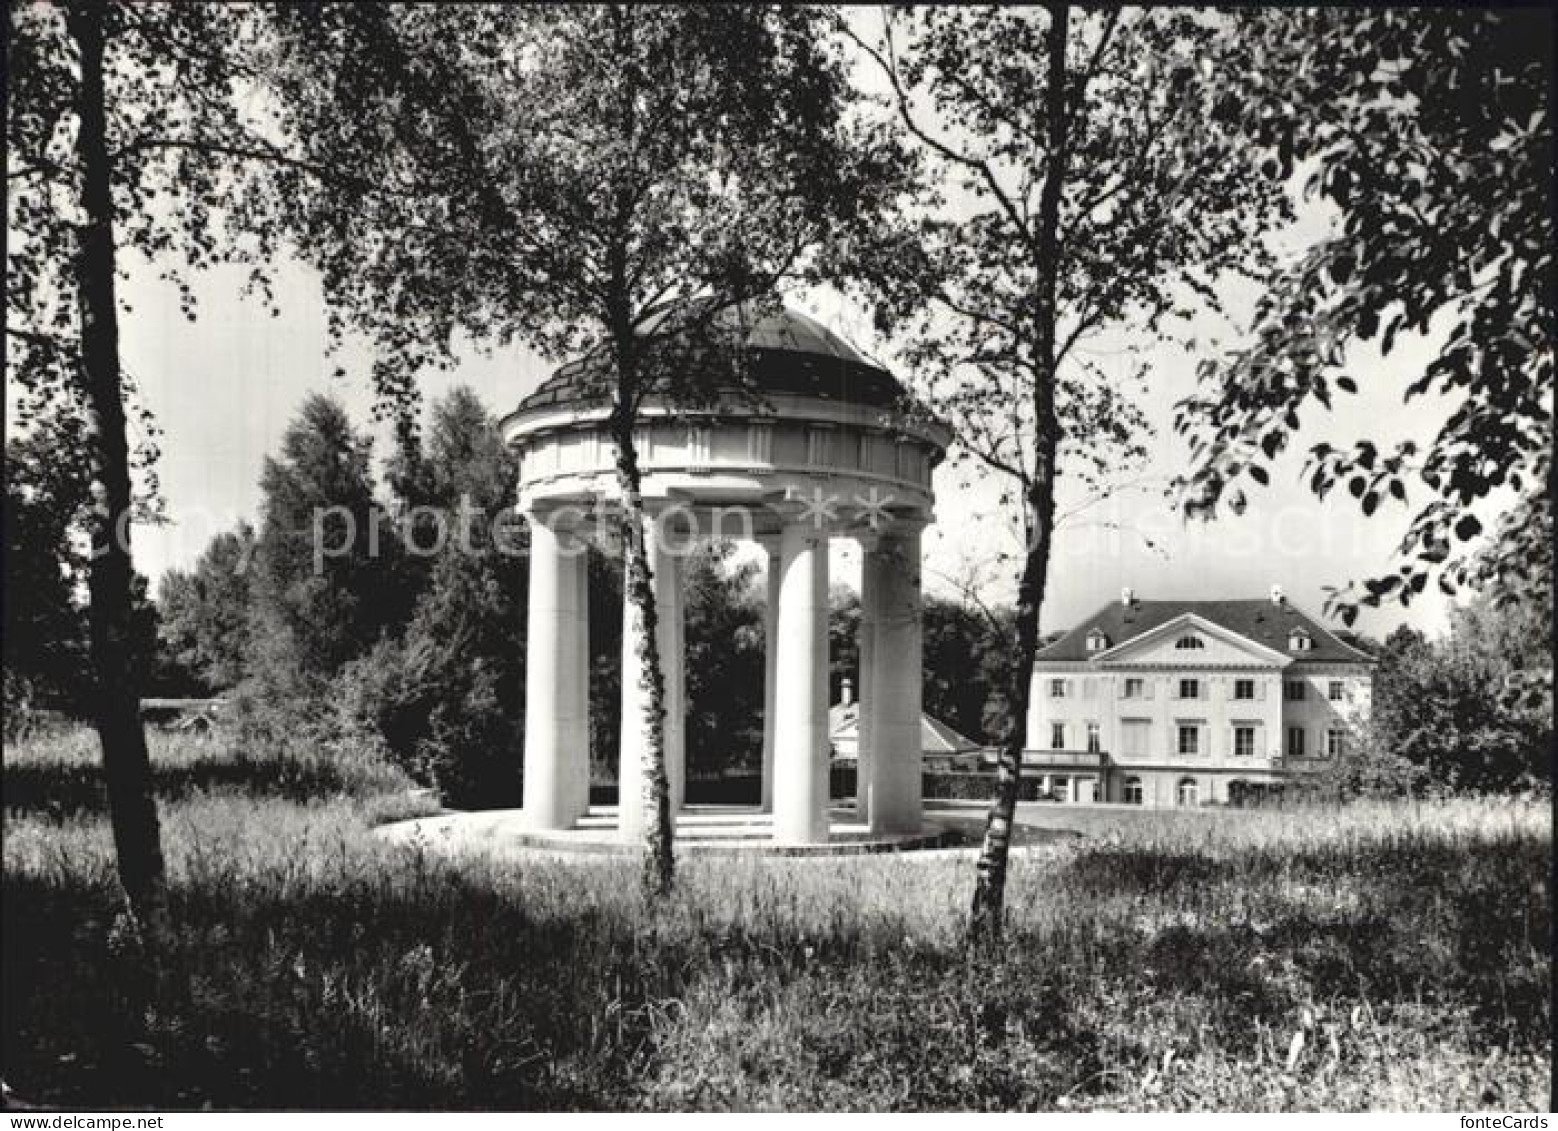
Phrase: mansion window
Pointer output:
(1335, 743)
(1189, 643)
(1299, 641)
(1133, 687)
(1295, 742)
(1190, 689)
(1293, 691)
(1188, 792)
(1057, 689)
(1097, 641)
(1094, 743)
(1244, 742)
(1336, 691)
(1189, 738)
(1132, 791)
(1244, 689)
(1057, 736)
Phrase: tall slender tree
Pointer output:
(608, 176)
(1089, 188)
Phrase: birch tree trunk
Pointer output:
(126, 766)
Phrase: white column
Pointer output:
(556, 705)
(770, 667)
(636, 721)
(870, 592)
(895, 718)
(801, 688)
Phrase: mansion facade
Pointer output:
(1191, 703)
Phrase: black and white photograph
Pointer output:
(777, 558)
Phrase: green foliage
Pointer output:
(317, 967)
(1431, 131)
(1154, 202)
(967, 661)
(446, 696)
(205, 612)
(555, 175)
(1081, 181)
(724, 662)
(185, 171)
(632, 178)
(843, 641)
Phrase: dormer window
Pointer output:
(1299, 641)
(1097, 641)
(1189, 643)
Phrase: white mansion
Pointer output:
(1185, 703)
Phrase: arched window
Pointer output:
(1188, 793)
(1132, 791)
(1186, 643)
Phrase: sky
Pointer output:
(223, 387)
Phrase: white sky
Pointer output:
(224, 387)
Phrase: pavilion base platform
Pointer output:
(701, 830)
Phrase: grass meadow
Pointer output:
(1389, 956)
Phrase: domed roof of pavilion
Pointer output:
(787, 352)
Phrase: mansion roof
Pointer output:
(1258, 619)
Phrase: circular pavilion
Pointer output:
(826, 449)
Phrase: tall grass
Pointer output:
(1376, 956)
